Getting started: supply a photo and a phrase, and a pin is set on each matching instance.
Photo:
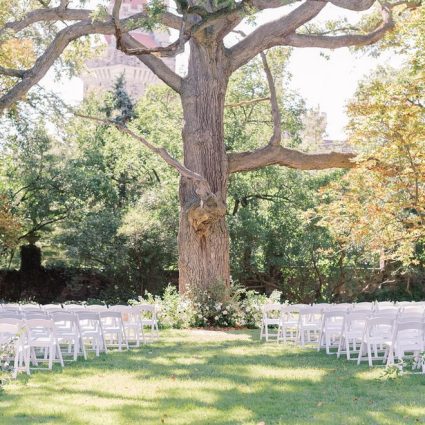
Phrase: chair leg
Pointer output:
(369, 355)
(58, 348)
(347, 347)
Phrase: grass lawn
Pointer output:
(206, 377)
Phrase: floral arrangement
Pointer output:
(220, 305)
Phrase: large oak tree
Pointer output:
(204, 25)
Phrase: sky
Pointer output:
(326, 83)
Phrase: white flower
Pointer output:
(225, 312)
(216, 318)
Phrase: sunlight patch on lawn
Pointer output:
(291, 374)
(371, 374)
(413, 411)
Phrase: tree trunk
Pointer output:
(203, 237)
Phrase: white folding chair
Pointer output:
(309, 324)
(41, 335)
(352, 332)
(68, 333)
(271, 317)
(12, 334)
(331, 330)
(149, 318)
(91, 330)
(132, 322)
(113, 329)
(408, 337)
(289, 322)
(378, 332)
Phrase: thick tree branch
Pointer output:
(277, 128)
(357, 5)
(336, 41)
(139, 49)
(129, 45)
(46, 15)
(156, 65)
(272, 33)
(55, 49)
(17, 73)
(278, 155)
(62, 13)
(203, 189)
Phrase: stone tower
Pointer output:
(102, 72)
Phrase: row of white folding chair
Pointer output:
(100, 329)
(391, 338)
(80, 327)
(408, 339)
(301, 322)
(30, 338)
(339, 329)
(133, 321)
(371, 332)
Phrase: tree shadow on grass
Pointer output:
(226, 381)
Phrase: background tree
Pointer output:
(378, 207)
(203, 236)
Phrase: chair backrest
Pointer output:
(411, 316)
(341, 307)
(410, 333)
(405, 303)
(121, 308)
(87, 315)
(65, 321)
(30, 307)
(356, 319)
(363, 306)
(10, 327)
(58, 316)
(147, 308)
(46, 325)
(333, 315)
(412, 325)
(52, 307)
(11, 314)
(384, 304)
(112, 314)
(35, 315)
(73, 307)
(380, 326)
(386, 312)
(97, 307)
(311, 314)
(268, 309)
(11, 307)
(413, 309)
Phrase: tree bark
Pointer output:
(203, 236)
